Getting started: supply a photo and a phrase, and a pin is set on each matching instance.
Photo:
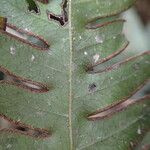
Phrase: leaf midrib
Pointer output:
(70, 76)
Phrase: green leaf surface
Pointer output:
(64, 109)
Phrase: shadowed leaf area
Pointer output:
(65, 83)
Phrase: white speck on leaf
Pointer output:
(85, 53)
(96, 58)
(131, 143)
(74, 67)
(49, 104)
(9, 146)
(80, 37)
(99, 138)
(109, 3)
(139, 131)
(40, 113)
(12, 50)
(49, 52)
(147, 62)
(114, 37)
(32, 58)
(26, 29)
(18, 120)
(99, 39)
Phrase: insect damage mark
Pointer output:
(7, 77)
(92, 88)
(61, 19)
(9, 125)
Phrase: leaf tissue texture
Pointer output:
(64, 84)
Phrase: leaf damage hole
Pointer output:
(61, 19)
(57, 18)
(32, 6)
(2, 75)
(9, 125)
(26, 37)
(22, 129)
(9, 78)
(137, 97)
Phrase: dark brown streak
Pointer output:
(95, 26)
(90, 67)
(117, 65)
(3, 22)
(25, 37)
(10, 78)
(64, 7)
(61, 19)
(111, 110)
(18, 127)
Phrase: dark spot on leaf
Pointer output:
(92, 87)
(20, 128)
(2, 75)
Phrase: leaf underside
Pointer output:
(91, 38)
